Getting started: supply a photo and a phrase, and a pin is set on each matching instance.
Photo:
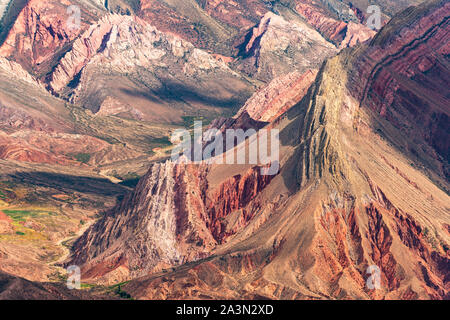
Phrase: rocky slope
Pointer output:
(364, 155)
(278, 96)
(275, 47)
(14, 288)
(213, 213)
(344, 30)
(41, 33)
(126, 64)
(40, 128)
(265, 107)
(36, 34)
(406, 84)
(347, 196)
(388, 7)
(181, 221)
(217, 25)
(106, 68)
(191, 22)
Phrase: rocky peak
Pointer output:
(40, 34)
(275, 46)
(178, 220)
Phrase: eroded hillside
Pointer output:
(347, 196)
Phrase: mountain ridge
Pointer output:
(362, 189)
(337, 209)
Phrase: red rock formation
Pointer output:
(5, 224)
(42, 147)
(180, 221)
(341, 33)
(381, 241)
(233, 195)
(41, 32)
(339, 250)
(406, 80)
(173, 23)
(214, 25)
(16, 70)
(278, 96)
(239, 14)
(266, 105)
(83, 49)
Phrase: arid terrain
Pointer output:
(92, 92)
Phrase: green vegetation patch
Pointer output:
(81, 157)
(87, 286)
(164, 141)
(21, 215)
(118, 290)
